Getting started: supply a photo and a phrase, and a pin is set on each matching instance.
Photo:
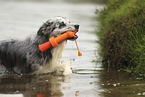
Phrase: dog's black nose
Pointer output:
(76, 26)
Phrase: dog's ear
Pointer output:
(39, 32)
(44, 29)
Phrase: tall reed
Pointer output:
(122, 36)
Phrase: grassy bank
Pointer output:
(122, 36)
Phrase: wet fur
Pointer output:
(24, 57)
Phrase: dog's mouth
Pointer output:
(72, 38)
(74, 28)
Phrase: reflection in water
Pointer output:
(32, 86)
(121, 84)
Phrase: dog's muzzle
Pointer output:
(75, 36)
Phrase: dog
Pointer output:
(24, 57)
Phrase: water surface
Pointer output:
(21, 19)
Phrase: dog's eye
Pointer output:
(57, 25)
(62, 25)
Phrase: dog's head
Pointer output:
(57, 26)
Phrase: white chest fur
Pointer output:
(55, 64)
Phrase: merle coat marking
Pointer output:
(24, 57)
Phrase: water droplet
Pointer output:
(17, 92)
(143, 93)
(109, 84)
(138, 93)
(118, 83)
(114, 85)
(46, 80)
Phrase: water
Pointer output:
(22, 18)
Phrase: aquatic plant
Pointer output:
(122, 37)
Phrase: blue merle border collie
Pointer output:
(24, 57)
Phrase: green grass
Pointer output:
(122, 35)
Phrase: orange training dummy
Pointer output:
(53, 42)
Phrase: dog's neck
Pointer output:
(53, 63)
(57, 55)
